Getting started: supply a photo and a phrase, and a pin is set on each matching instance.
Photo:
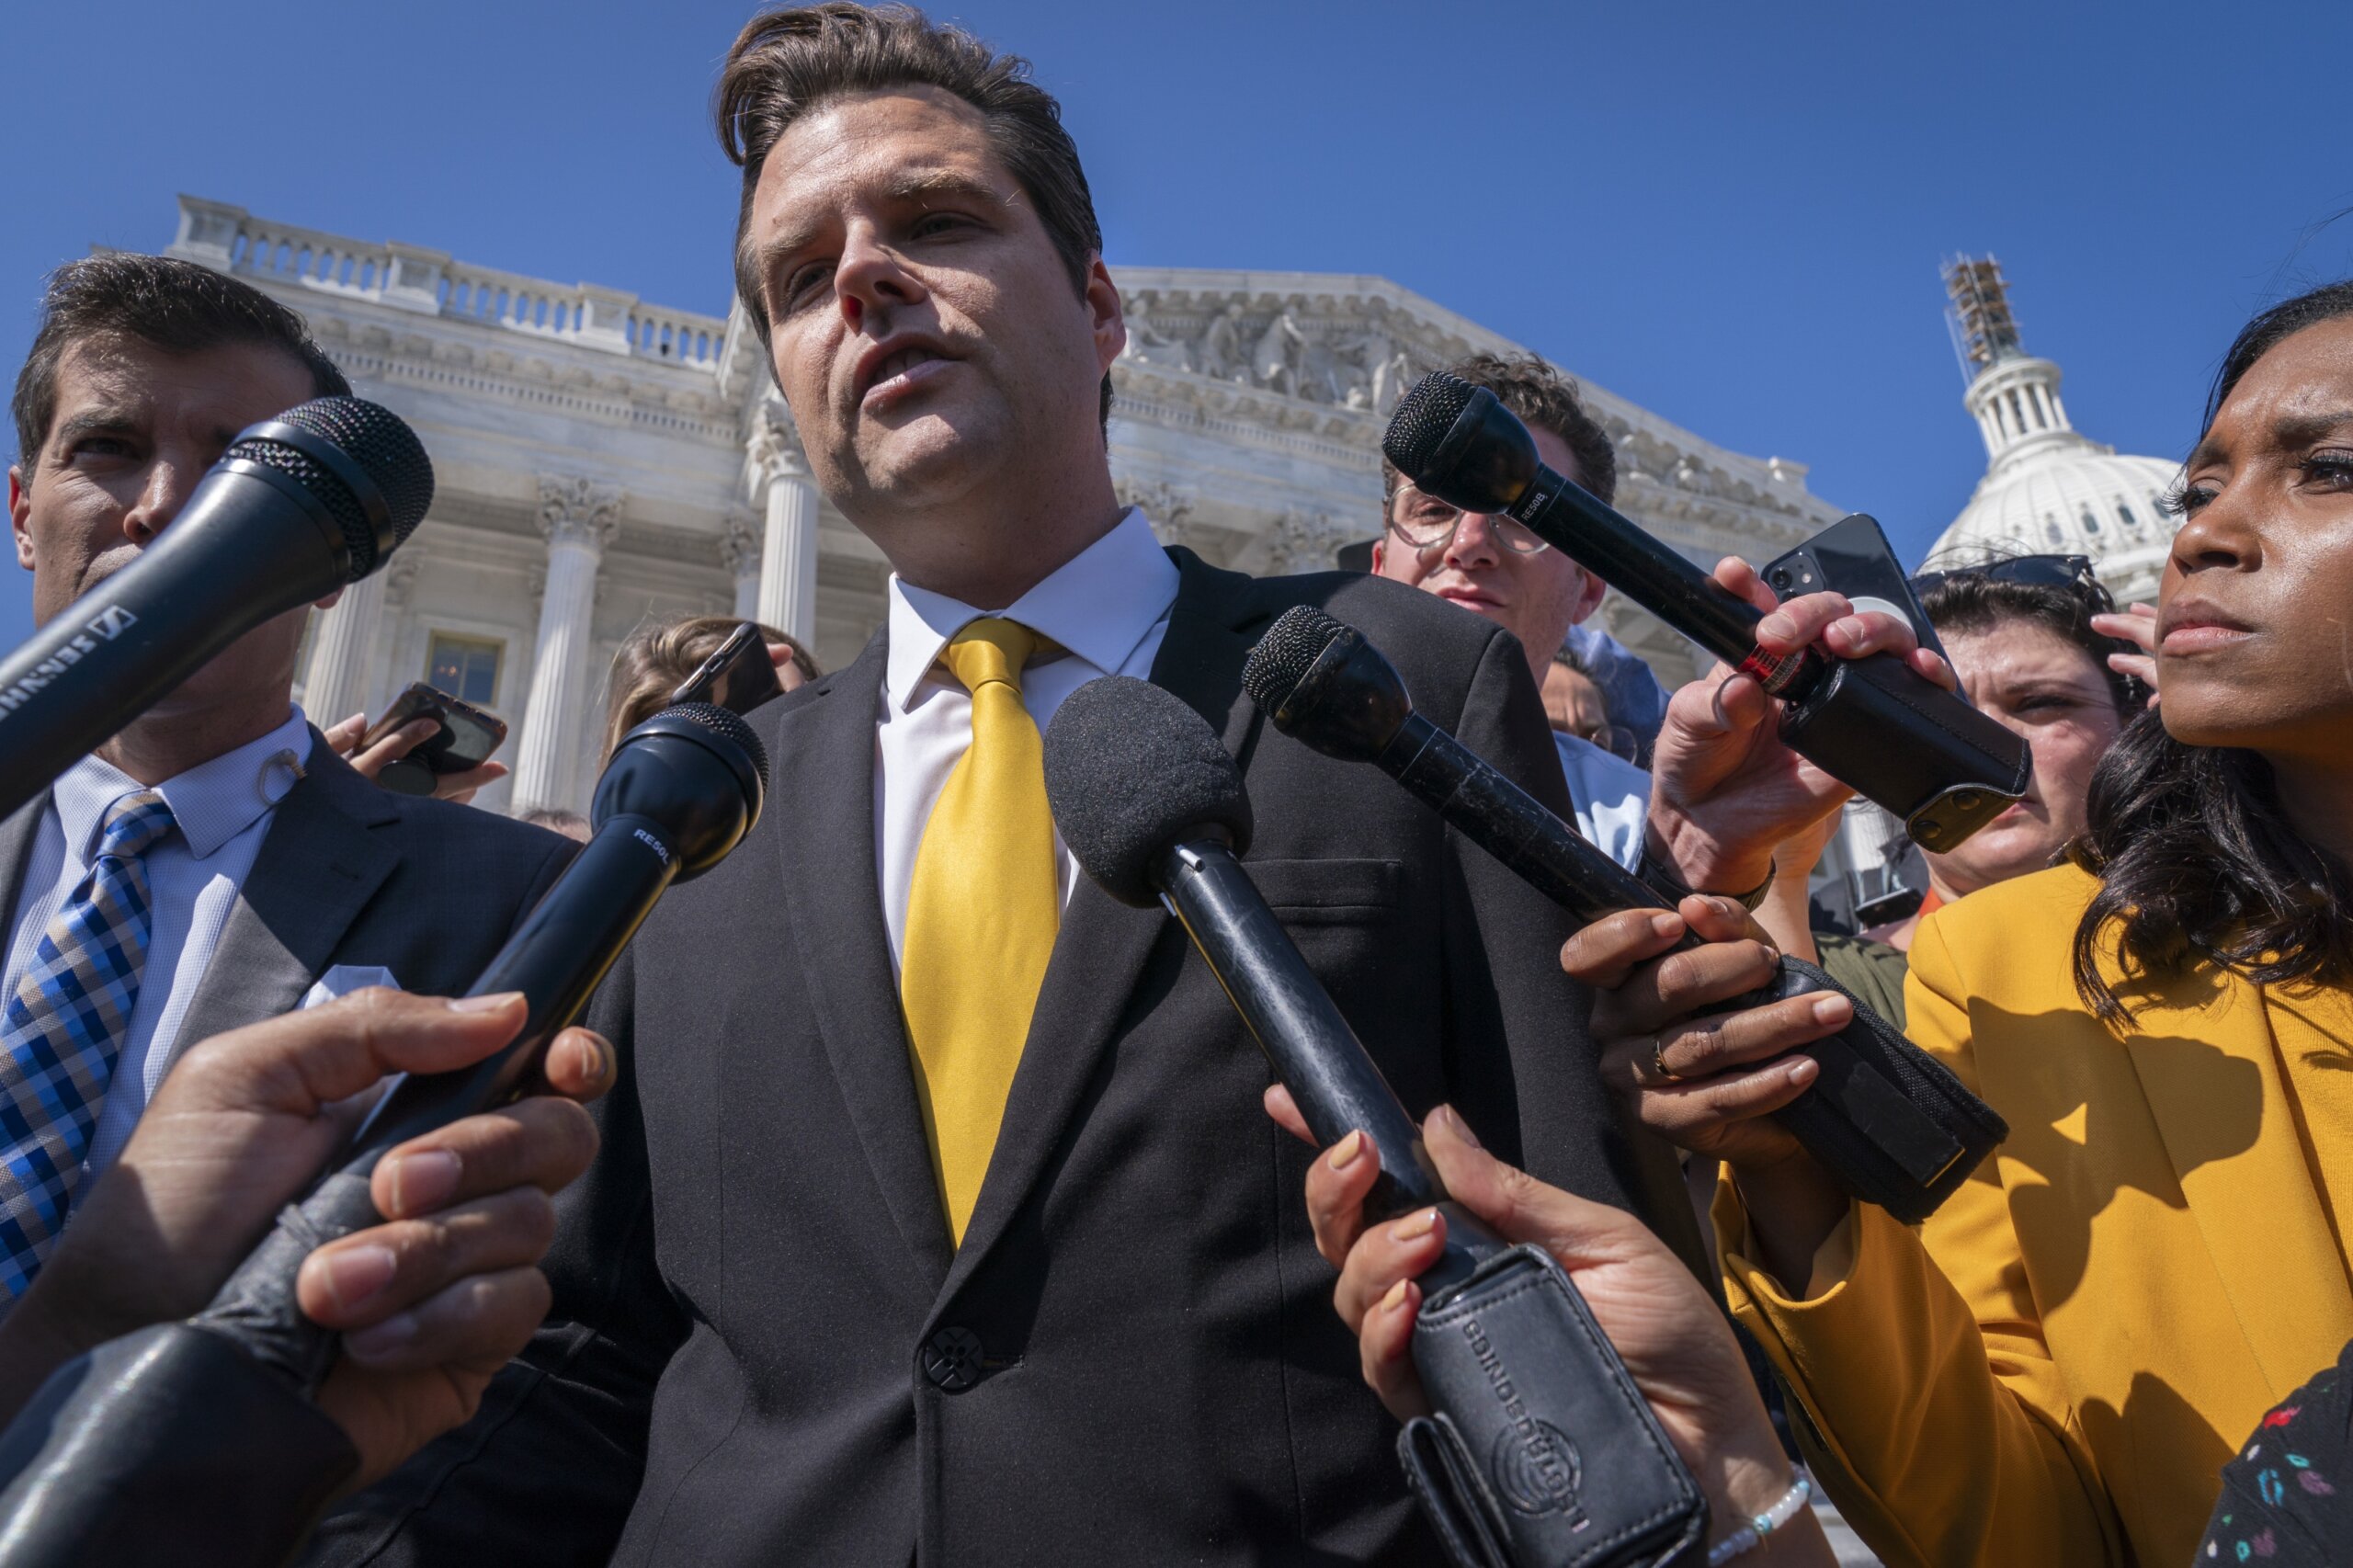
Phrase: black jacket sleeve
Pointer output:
(1518, 1028)
(547, 1470)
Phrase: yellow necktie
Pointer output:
(982, 908)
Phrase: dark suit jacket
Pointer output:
(766, 1349)
(349, 873)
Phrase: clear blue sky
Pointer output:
(1731, 215)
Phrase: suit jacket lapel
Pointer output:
(2255, 1202)
(319, 865)
(824, 778)
(1103, 947)
(16, 835)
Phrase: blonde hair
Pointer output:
(654, 658)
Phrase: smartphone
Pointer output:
(739, 675)
(1851, 557)
(465, 740)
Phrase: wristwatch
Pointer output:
(1663, 880)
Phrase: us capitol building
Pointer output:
(603, 462)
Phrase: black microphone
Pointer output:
(1530, 1397)
(1900, 739)
(1886, 1119)
(296, 507)
(197, 1441)
(1155, 811)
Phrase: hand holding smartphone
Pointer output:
(461, 742)
(739, 675)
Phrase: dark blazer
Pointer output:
(766, 1349)
(349, 873)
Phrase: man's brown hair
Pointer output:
(173, 305)
(786, 63)
(1545, 400)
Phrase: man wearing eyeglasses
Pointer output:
(1495, 568)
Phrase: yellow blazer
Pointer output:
(2054, 1367)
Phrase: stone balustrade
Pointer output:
(432, 283)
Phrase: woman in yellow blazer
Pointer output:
(2056, 1367)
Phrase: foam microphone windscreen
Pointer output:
(728, 725)
(384, 468)
(1131, 769)
(1287, 651)
(1424, 416)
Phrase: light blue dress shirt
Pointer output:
(1611, 797)
(223, 811)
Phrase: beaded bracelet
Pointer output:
(1751, 1535)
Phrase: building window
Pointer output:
(2091, 522)
(465, 667)
(2124, 514)
(2050, 526)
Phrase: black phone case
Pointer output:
(1541, 1452)
(1885, 1118)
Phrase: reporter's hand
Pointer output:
(1725, 1072)
(1723, 787)
(432, 1303)
(1672, 1340)
(344, 739)
(2136, 624)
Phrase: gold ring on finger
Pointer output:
(1658, 1061)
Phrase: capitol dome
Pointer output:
(2048, 490)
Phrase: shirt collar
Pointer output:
(211, 802)
(1099, 605)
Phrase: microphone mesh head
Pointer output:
(729, 725)
(1130, 771)
(1424, 416)
(379, 443)
(1287, 651)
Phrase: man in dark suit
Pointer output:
(938, 1219)
(215, 863)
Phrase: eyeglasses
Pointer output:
(2073, 573)
(1427, 523)
(1615, 739)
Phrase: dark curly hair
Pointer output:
(2196, 858)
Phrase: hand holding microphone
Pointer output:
(1941, 767)
(1888, 1121)
(201, 1440)
(1538, 1448)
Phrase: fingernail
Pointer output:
(1459, 1128)
(1804, 1070)
(423, 1182)
(1666, 924)
(1344, 1154)
(1831, 1010)
(490, 1003)
(355, 1274)
(599, 1064)
(1413, 1227)
(1396, 1300)
(381, 1339)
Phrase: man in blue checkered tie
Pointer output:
(64, 1030)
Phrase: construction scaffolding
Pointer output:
(1984, 331)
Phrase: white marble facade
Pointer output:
(602, 461)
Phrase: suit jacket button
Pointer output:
(951, 1359)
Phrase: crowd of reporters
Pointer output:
(2141, 967)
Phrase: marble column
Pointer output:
(787, 598)
(739, 549)
(578, 518)
(777, 473)
(342, 675)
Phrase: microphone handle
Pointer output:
(1475, 798)
(249, 544)
(1619, 551)
(1316, 1056)
(556, 958)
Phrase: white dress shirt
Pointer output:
(1108, 608)
(222, 810)
(1612, 797)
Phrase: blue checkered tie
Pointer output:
(64, 1029)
